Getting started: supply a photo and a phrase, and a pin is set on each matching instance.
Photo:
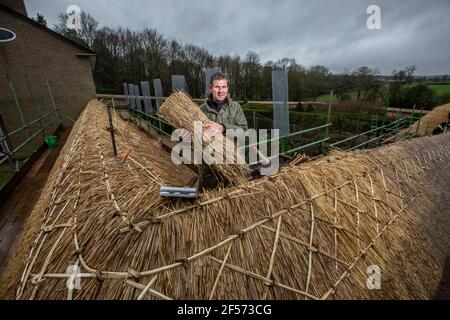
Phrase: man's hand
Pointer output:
(213, 128)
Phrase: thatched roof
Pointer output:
(432, 119)
(310, 232)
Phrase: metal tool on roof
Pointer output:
(264, 160)
(111, 128)
(178, 192)
(265, 164)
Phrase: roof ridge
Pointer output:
(42, 27)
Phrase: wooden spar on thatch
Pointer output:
(181, 112)
(309, 232)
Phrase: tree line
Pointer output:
(128, 56)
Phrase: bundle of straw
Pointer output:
(181, 112)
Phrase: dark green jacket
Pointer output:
(230, 115)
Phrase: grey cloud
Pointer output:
(331, 33)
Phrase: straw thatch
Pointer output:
(181, 112)
(309, 232)
(431, 120)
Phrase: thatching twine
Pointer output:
(309, 232)
(432, 119)
(181, 112)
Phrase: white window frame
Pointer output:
(10, 39)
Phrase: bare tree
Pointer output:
(85, 36)
(365, 81)
(40, 19)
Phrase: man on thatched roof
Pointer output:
(223, 112)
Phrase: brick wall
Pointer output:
(42, 57)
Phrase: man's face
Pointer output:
(219, 90)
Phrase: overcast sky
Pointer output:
(327, 32)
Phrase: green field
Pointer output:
(344, 123)
(437, 88)
(440, 88)
(326, 97)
